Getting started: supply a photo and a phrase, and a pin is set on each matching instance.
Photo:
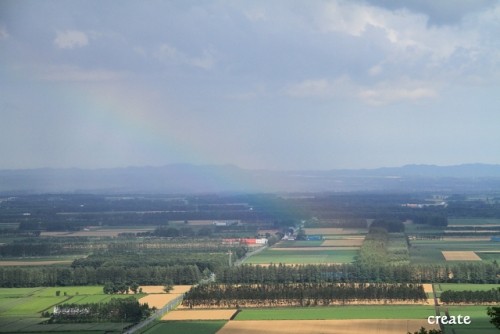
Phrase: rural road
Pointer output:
(171, 305)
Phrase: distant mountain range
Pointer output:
(186, 178)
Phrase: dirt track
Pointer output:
(365, 326)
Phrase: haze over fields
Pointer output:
(312, 85)
(185, 178)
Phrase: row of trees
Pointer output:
(116, 310)
(11, 277)
(220, 295)
(471, 297)
(478, 272)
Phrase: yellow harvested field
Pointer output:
(224, 314)
(180, 289)
(158, 300)
(159, 289)
(343, 242)
(427, 288)
(32, 263)
(460, 256)
(365, 326)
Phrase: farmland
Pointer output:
(303, 256)
(323, 326)
(20, 308)
(378, 271)
(338, 312)
(198, 327)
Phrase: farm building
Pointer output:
(245, 241)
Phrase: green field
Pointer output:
(298, 243)
(479, 321)
(32, 325)
(27, 305)
(195, 327)
(338, 312)
(303, 256)
(429, 251)
(490, 256)
(69, 290)
(20, 309)
(473, 221)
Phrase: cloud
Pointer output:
(169, 53)
(382, 93)
(319, 88)
(438, 12)
(76, 74)
(70, 39)
(3, 33)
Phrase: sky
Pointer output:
(281, 85)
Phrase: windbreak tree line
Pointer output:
(228, 295)
(479, 297)
(478, 272)
(13, 277)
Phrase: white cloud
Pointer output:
(70, 39)
(167, 53)
(3, 33)
(384, 94)
(408, 32)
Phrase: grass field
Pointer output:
(69, 290)
(479, 321)
(195, 327)
(429, 251)
(489, 256)
(20, 309)
(303, 256)
(338, 312)
(298, 243)
(33, 326)
(473, 221)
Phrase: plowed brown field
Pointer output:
(365, 326)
